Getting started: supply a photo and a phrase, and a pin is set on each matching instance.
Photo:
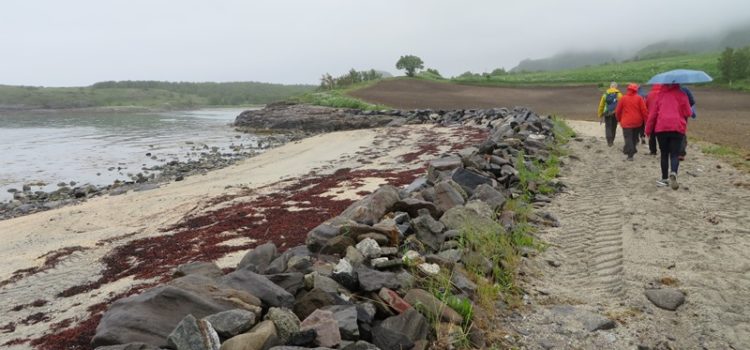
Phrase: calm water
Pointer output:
(53, 147)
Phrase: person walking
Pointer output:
(650, 104)
(691, 100)
(607, 106)
(631, 113)
(668, 121)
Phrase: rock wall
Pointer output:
(355, 283)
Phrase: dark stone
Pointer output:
(318, 236)
(361, 345)
(448, 195)
(337, 245)
(387, 339)
(304, 338)
(372, 280)
(259, 286)
(410, 323)
(488, 194)
(469, 180)
(428, 230)
(258, 259)
(346, 316)
(292, 282)
(315, 299)
(373, 207)
(413, 205)
(129, 346)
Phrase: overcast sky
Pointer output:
(77, 42)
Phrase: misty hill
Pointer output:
(149, 94)
(565, 61)
(739, 37)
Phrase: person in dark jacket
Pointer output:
(691, 100)
(631, 113)
(668, 121)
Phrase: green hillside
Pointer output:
(633, 71)
(149, 94)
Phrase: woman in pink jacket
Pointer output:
(668, 121)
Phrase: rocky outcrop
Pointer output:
(355, 284)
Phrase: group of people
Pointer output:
(661, 115)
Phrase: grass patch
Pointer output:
(339, 98)
(734, 156)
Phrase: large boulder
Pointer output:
(260, 286)
(151, 316)
(373, 207)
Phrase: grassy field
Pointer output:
(339, 98)
(633, 71)
(160, 95)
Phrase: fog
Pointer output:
(76, 42)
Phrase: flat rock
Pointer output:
(232, 322)
(291, 282)
(372, 280)
(259, 286)
(666, 298)
(208, 269)
(326, 327)
(370, 209)
(262, 336)
(412, 206)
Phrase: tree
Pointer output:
(740, 61)
(726, 63)
(410, 63)
(499, 71)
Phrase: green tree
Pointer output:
(726, 64)
(410, 63)
(741, 60)
(499, 71)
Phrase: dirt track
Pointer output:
(724, 116)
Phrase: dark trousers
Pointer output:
(652, 144)
(610, 128)
(631, 136)
(683, 146)
(669, 146)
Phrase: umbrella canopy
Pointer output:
(681, 76)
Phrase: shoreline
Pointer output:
(117, 109)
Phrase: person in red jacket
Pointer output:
(668, 121)
(631, 113)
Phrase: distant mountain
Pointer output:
(738, 37)
(565, 61)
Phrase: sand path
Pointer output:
(620, 234)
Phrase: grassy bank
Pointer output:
(632, 71)
(339, 98)
(148, 94)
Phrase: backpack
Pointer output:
(611, 102)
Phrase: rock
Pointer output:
(129, 346)
(385, 263)
(259, 286)
(416, 185)
(262, 336)
(305, 338)
(369, 248)
(325, 283)
(429, 269)
(428, 230)
(232, 322)
(361, 345)
(291, 282)
(412, 206)
(301, 264)
(378, 237)
(665, 298)
(354, 256)
(469, 180)
(426, 302)
(326, 327)
(318, 236)
(372, 281)
(388, 251)
(373, 207)
(445, 163)
(387, 339)
(209, 287)
(393, 300)
(346, 317)
(207, 269)
(258, 259)
(452, 255)
(448, 195)
(337, 245)
(488, 194)
(343, 273)
(315, 299)
(593, 322)
(475, 213)
(286, 322)
(410, 323)
(193, 334)
(162, 308)
(461, 281)
(412, 257)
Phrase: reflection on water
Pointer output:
(52, 147)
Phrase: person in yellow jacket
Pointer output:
(607, 106)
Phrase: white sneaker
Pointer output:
(662, 182)
(673, 181)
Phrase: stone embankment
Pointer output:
(365, 279)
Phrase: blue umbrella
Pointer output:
(681, 76)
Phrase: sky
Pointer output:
(79, 42)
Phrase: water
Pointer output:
(63, 146)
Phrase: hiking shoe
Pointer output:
(662, 183)
(673, 181)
